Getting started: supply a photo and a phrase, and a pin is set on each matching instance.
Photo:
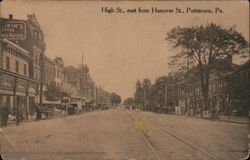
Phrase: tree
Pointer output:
(53, 93)
(139, 93)
(115, 99)
(146, 91)
(129, 102)
(203, 46)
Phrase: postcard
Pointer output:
(124, 80)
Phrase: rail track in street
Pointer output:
(148, 142)
(175, 136)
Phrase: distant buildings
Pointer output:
(81, 79)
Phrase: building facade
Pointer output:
(21, 66)
(240, 92)
(49, 71)
(17, 89)
(59, 72)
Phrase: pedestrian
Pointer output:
(38, 112)
(217, 111)
(4, 115)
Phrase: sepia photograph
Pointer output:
(124, 80)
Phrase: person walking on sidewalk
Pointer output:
(4, 115)
(217, 112)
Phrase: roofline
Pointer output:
(50, 60)
(16, 46)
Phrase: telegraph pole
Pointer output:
(38, 116)
(81, 80)
(145, 98)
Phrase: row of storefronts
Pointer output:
(21, 65)
(17, 89)
(26, 73)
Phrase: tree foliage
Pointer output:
(52, 93)
(138, 93)
(115, 99)
(203, 46)
(129, 102)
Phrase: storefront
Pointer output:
(17, 89)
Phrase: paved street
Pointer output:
(119, 134)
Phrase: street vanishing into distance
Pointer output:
(126, 80)
(123, 134)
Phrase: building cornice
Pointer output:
(17, 75)
(25, 52)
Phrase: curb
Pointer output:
(1, 136)
(234, 122)
(184, 116)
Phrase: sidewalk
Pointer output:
(223, 118)
(234, 119)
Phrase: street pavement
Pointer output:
(119, 134)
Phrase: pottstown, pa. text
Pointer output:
(160, 10)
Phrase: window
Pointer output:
(7, 63)
(57, 76)
(38, 60)
(35, 59)
(24, 69)
(17, 67)
(54, 72)
(36, 35)
(34, 74)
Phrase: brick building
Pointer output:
(240, 89)
(21, 65)
(17, 88)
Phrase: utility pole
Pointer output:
(96, 94)
(38, 116)
(81, 80)
(145, 98)
(16, 104)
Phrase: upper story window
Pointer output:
(35, 60)
(54, 72)
(17, 67)
(36, 35)
(25, 69)
(7, 64)
(57, 73)
(35, 74)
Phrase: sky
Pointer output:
(120, 48)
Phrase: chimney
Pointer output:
(29, 17)
(10, 16)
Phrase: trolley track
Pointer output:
(178, 138)
(148, 142)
